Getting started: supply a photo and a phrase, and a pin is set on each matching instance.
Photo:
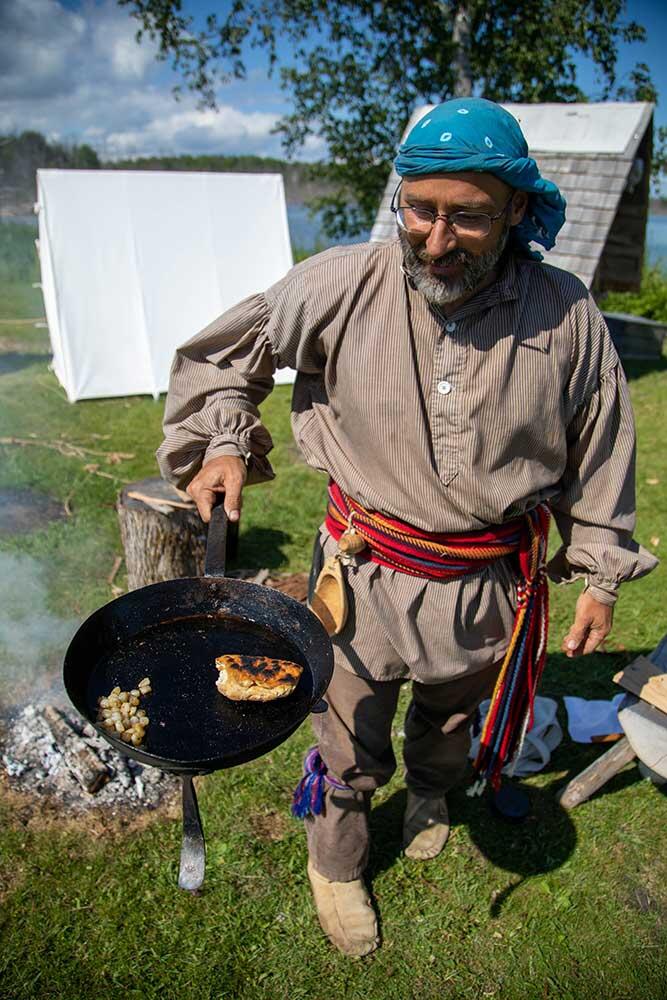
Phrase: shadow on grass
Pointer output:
(545, 840)
(541, 843)
(260, 548)
(14, 361)
(585, 676)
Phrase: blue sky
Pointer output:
(72, 70)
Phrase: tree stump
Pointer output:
(163, 536)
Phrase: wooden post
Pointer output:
(596, 775)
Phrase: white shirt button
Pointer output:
(444, 388)
(450, 327)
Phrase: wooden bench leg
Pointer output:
(597, 775)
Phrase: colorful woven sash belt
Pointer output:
(401, 546)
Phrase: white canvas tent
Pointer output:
(134, 263)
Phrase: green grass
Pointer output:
(565, 906)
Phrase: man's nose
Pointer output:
(441, 239)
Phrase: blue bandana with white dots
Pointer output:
(470, 133)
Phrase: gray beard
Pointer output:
(442, 291)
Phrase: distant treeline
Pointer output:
(22, 155)
(299, 185)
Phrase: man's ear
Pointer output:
(518, 207)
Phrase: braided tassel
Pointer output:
(510, 714)
(308, 797)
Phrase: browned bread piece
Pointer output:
(256, 678)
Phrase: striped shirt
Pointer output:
(450, 423)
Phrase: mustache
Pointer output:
(450, 259)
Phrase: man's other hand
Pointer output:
(221, 475)
(592, 624)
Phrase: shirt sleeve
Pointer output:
(595, 511)
(219, 378)
(217, 381)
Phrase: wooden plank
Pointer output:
(591, 182)
(596, 775)
(646, 680)
(564, 166)
(580, 257)
(590, 213)
(590, 199)
(581, 248)
(574, 229)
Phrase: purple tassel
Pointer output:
(308, 797)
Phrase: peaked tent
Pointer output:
(134, 263)
(600, 157)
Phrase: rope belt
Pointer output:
(439, 556)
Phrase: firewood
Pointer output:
(81, 759)
(597, 774)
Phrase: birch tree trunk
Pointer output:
(461, 38)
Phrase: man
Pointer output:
(451, 386)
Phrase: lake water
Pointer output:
(656, 239)
(306, 233)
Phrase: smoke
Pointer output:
(33, 640)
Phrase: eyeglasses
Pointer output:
(420, 221)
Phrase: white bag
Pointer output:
(539, 743)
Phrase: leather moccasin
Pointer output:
(425, 827)
(345, 913)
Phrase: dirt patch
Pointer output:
(645, 893)
(269, 825)
(23, 511)
(293, 584)
(32, 811)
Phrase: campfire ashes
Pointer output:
(49, 751)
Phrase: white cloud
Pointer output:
(224, 130)
(38, 44)
(79, 76)
(114, 43)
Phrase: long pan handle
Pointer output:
(193, 849)
(216, 542)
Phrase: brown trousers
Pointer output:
(354, 737)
